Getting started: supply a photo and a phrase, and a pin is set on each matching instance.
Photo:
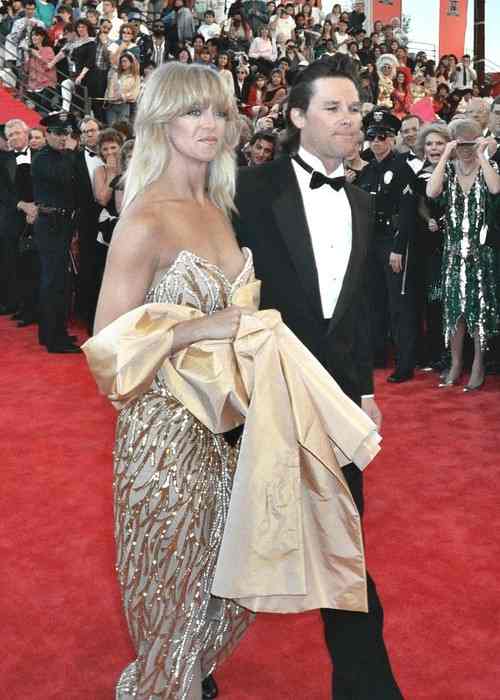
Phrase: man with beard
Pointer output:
(310, 232)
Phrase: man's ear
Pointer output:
(297, 117)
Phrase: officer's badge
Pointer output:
(388, 177)
(63, 117)
(378, 116)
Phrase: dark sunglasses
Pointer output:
(375, 137)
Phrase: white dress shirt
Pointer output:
(92, 163)
(329, 219)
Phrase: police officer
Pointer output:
(55, 196)
(389, 178)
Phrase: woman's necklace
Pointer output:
(462, 171)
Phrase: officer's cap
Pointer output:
(381, 121)
(63, 122)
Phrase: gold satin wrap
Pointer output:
(293, 539)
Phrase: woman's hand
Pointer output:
(449, 150)
(112, 163)
(221, 325)
(433, 225)
(482, 149)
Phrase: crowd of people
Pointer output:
(258, 49)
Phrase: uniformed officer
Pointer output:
(389, 178)
(55, 196)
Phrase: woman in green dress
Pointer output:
(466, 181)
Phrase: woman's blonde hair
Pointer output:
(433, 128)
(171, 91)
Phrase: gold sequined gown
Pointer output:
(172, 486)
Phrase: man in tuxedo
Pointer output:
(86, 162)
(17, 211)
(310, 233)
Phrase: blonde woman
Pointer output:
(174, 243)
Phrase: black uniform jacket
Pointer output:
(271, 221)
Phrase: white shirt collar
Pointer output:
(317, 164)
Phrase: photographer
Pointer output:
(463, 77)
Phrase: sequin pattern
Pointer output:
(172, 486)
(468, 273)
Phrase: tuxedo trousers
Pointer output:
(390, 305)
(362, 670)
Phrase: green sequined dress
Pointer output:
(469, 285)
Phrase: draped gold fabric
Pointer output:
(293, 538)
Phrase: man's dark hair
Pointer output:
(338, 66)
(264, 136)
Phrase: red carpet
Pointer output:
(10, 108)
(432, 530)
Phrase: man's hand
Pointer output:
(371, 409)
(433, 225)
(396, 262)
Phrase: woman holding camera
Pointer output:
(465, 179)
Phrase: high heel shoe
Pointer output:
(447, 381)
(209, 688)
(468, 387)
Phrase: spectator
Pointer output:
(466, 180)
(109, 12)
(123, 94)
(261, 148)
(401, 97)
(479, 111)
(41, 81)
(399, 34)
(37, 138)
(463, 76)
(80, 54)
(209, 29)
(263, 50)
(255, 106)
(223, 65)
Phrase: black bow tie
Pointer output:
(90, 153)
(318, 179)
(21, 153)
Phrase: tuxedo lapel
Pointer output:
(352, 276)
(11, 169)
(290, 216)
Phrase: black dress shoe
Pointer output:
(25, 322)
(209, 688)
(17, 316)
(66, 349)
(399, 377)
(7, 310)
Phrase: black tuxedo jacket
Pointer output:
(11, 219)
(271, 221)
(85, 193)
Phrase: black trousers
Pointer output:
(9, 258)
(87, 285)
(391, 307)
(362, 670)
(53, 236)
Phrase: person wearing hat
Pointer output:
(389, 179)
(55, 195)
